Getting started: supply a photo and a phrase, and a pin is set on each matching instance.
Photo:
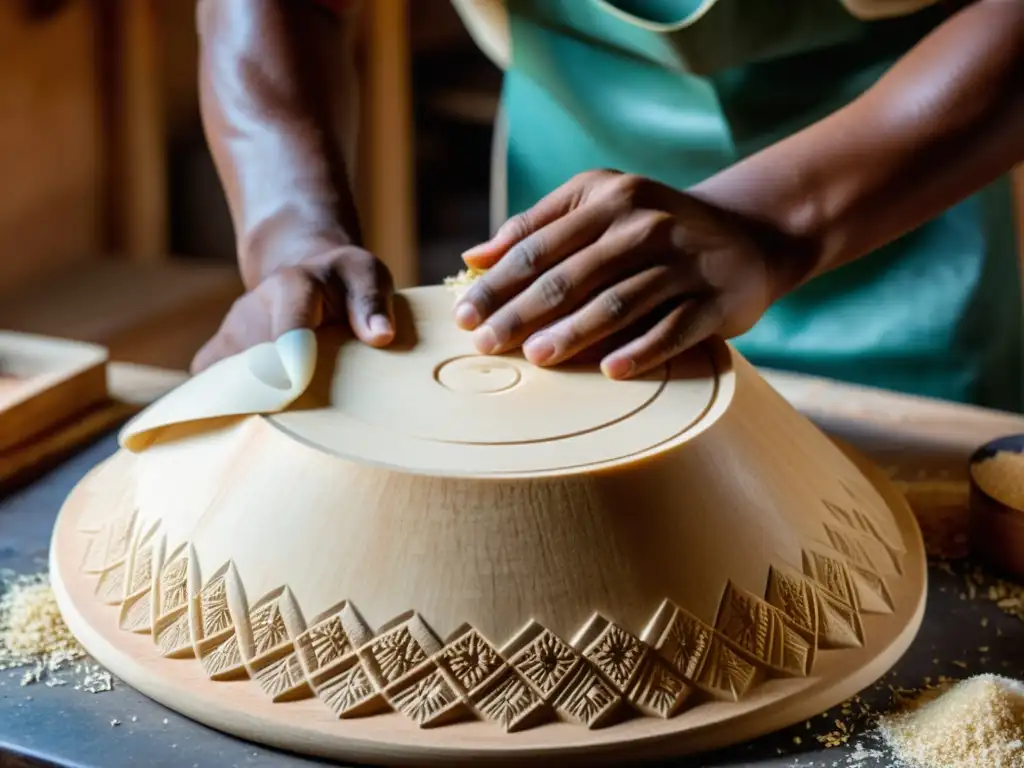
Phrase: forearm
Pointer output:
(266, 109)
(944, 122)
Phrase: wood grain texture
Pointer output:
(150, 314)
(503, 573)
(51, 142)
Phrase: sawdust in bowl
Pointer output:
(978, 722)
(1001, 476)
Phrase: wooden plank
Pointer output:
(137, 192)
(45, 382)
(131, 388)
(386, 163)
(51, 141)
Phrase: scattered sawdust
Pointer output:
(941, 507)
(978, 722)
(1001, 476)
(463, 280)
(35, 639)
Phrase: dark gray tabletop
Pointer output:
(61, 726)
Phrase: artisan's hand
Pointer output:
(344, 285)
(610, 257)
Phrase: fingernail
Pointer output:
(618, 367)
(485, 340)
(380, 326)
(539, 349)
(476, 250)
(466, 316)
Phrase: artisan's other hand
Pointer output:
(343, 285)
(620, 260)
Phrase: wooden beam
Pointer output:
(387, 162)
(136, 156)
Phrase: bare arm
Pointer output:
(944, 122)
(266, 97)
(276, 99)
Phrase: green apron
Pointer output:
(677, 90)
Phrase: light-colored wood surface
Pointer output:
(152, 314)
(45, 382)
(932, 429)
(131, 387)
(47, 416)
(430, 549)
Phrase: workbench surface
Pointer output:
(66, 727)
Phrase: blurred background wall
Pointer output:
(113, 227)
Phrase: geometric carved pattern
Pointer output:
(602, 674)
(764, 632)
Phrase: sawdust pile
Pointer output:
(1001, 476)
(463, 280)
(978, 722)
(35, 639)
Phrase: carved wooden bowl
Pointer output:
(423, 555)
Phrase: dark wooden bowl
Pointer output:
(997, 527)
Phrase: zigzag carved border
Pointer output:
(596, 678)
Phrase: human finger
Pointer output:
(682, 328)
(246, 324)
(548, 209)
(526, 262)
(369, 293)
(617, 307)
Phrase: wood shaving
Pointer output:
(463, 280)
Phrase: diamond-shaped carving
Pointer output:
(213, 607)
(586, 697)
(426, 698)
(793, 594)
(657, 690)
(110, 587)
(173, 635)
(393, 655)
(174, 585)
(268, 628)
(349, 691)
(283, 679)
(142, 570)
(725, 673)
(839, 624)
(323, 644)
(137, 613)
(470, 659)
(545, 662)
(510, 702)
(832, 574)
(617, 655)
(684, 643)
(222, 658)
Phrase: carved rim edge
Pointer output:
(603, 675)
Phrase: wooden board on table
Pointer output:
(70, 414)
